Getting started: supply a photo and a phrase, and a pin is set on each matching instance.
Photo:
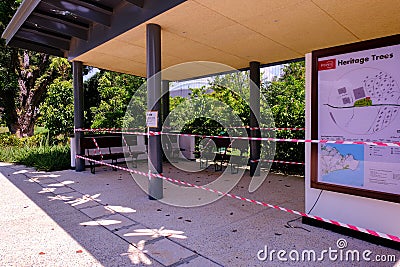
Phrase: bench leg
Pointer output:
(234, 169)
(217, 167)
(204, 164)
(92, 167)
(201, 163)
(175, 156)
(112, 163)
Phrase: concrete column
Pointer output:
(255, 146)
(165, 100)
(165, 108)
(153, 62)
(77, 68)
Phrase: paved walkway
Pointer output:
(79, 219)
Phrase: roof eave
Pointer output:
(23, 12)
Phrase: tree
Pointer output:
(286, 98)
(116, 91)
(8, 61)
(234, 90)
(57, 110)
(91, 97)
(25, 76)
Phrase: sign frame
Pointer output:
(316, 65)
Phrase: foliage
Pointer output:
(223, 102)
(116, 90)
(24, 78)
(3, 129)
(286, 98)
(282, 105)
(57, 110)
(91, 97)
(41, 139)
(36, 151)
(43, 158)
(233, 90)
(8, 60)
(175, 101)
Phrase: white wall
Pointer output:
(378, 215)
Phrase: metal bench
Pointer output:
(102, 148)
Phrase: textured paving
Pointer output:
(79, 219)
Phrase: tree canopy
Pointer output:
(25, 77)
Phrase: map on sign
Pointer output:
(364, 101)
(359, 100)
(342, 164)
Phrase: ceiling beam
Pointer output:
(28, 45)
(139, 3)
(82, 9)
(94, 5)
(48, 40)
(31, 28)
(23, 12)
(58, 25)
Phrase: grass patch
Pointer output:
(36, 151)
(43, 158)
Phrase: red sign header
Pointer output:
(328, 64)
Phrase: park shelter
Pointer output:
(141, 37)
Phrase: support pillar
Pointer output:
(165, 108)
(153, 61)
(165, 100)
(255, 146)
(77, 68)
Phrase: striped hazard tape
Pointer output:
(270, 139)
(278, 161)
(249, 128)
(343, 142)
(104, 130)
(107, 129)
(349, 226)
(97, 147)
(166, 127)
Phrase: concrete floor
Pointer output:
(67, 218)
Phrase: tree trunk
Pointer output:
(32, 83)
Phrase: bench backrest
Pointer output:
(102, 142)
(222, 142)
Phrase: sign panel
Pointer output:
(356, 97)
(152, 119)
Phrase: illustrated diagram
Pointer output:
(364, 101)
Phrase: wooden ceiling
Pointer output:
(234, 32)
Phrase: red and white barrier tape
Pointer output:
(263, 160)
(250, 128)
(278, 161)
(107, 129)
(97, 147)
(349, 226)
(270, 139)
(267, 129)
(342, 142)
(165, 127)
(125, 132)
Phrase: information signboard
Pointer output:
(356, 97)
(152, 119)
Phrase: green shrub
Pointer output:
(40, 139)
(43, 158)
(36, 151)
(7, 139)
